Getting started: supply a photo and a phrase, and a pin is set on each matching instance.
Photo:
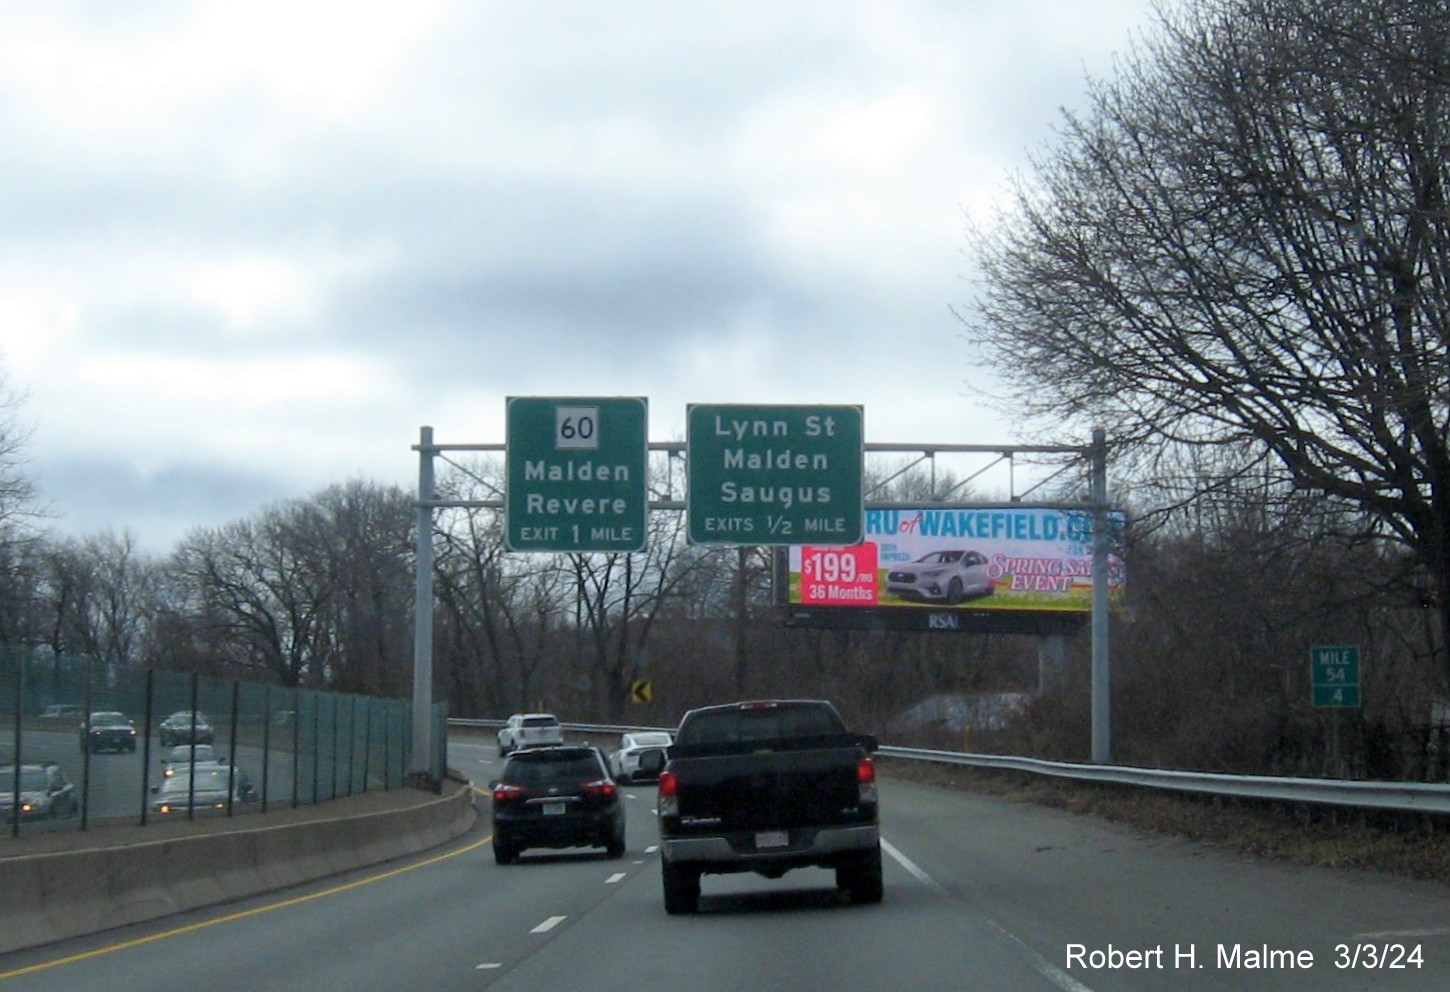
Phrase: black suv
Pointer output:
(108, 731)
(556, 797)
(186, 727)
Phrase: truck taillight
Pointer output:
(669, 795)
(866, 779)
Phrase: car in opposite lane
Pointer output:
(556, 797)
(203, 788)
(108, 731)
(44, 793)
(529, 730)
(624, 762)
(186, 727)
(182, 756)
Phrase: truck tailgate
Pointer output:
(769, 789)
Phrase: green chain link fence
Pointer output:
(278, 748)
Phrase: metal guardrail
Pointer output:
(1403, 797)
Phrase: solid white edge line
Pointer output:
(1040, 964)
(1392, 934)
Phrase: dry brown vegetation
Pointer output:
(1412, 846)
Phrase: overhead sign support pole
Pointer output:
(421, 766)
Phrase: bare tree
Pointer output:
(19, 504)
(503, 618)
(19, 494)
(1244, 248)
(360, 535)
(621, 598)
(263, 601)
(101, 595)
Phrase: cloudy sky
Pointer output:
(248, 249)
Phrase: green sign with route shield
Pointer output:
(575, 474)
(1334, 670)
(771, 475)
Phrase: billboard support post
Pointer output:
(1101, 689)
(1051, 662)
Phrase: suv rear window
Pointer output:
(540, 721)
(544, 767)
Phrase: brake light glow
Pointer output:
(503, 792)
(866, 780)
(601, 788)
(669, 795)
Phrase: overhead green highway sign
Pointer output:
(773, 475)
(575, 474)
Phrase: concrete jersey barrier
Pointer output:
(51, 897)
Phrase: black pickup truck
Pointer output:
(765, 787)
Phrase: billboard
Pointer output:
(1008, 558)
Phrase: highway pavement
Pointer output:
(981, 894)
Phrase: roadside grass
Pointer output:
(1408, 845)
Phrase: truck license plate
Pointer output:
(772, 838)
(553, 809)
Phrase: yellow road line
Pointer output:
(189, 928)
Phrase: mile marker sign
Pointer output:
(774, 474)
(575, 474)
(1334, 675)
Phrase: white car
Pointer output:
(181, 757)
(529, 730)
(212, 786)
(948, 576)
(624, 762)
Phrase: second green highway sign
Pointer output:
(774, 474)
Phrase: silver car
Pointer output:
(942, 576)
(181, 757)
(43, 790)
(202, 788)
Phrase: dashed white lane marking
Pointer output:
(549, 924)
(616, 877)
(1040, 964)
(487, 966)
(651, 849)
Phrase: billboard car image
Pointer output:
(1007, 558)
